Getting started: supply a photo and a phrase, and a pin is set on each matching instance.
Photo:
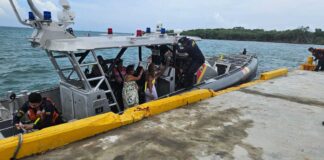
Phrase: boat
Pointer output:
(80, 94)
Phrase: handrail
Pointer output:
(17, 14)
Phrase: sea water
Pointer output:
(25, 68)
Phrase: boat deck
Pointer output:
(236, 60)
(276, 119)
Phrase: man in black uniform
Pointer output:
(198, 59)
(319, 55)
(40, 111)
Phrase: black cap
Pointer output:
(183, 40)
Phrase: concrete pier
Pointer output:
(276, 119)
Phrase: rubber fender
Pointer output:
(60, 135)
(274, 74)
(163, 105)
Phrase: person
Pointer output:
(130, 88)
(244, 51)
(40, 111)
(198, 59)
(140, 83)
(103, 64)
(319, 55)
(150, 90)
(119, 71)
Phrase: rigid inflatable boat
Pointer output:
(81, 94)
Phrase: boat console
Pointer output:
(166, 84)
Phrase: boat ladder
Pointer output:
(90, 84)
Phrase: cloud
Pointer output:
(47, 5)
(219, 18)
(2, 12)
(4, 7)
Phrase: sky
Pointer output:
(130, 15)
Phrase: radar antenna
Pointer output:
(66, 16)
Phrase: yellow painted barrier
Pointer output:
(231, 89)
(274, 74)
(176, 101)
(60, 135)
(310, 60)
(308, 67)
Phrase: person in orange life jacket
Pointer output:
(198, 59)
(319, 55)
(40, 111)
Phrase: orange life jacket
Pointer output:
(33, 116)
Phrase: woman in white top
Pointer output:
(150, 90)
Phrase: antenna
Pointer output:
(65, 4)
(66, 16)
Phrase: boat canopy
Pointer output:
(109, 41)
(55, 36)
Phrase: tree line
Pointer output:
(301, 35)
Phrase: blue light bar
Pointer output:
(163, 31)
(148, 30)
(31, 16)
(47, 16)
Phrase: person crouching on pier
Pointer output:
(319, 55)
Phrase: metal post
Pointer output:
(83, 56)
(79, 72)
(140, 54)
(56, 66)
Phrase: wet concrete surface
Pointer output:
(278, 119)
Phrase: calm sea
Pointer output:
(25, 68)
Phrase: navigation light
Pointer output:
(31, 16)
(139, 33)
(110, 31)
(163, 31)
(148, 30)
(47, 16)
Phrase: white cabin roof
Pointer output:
(109, 41)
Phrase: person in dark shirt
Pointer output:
(40, 111)
(244, 51)
(319, 55)
(198, 59)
